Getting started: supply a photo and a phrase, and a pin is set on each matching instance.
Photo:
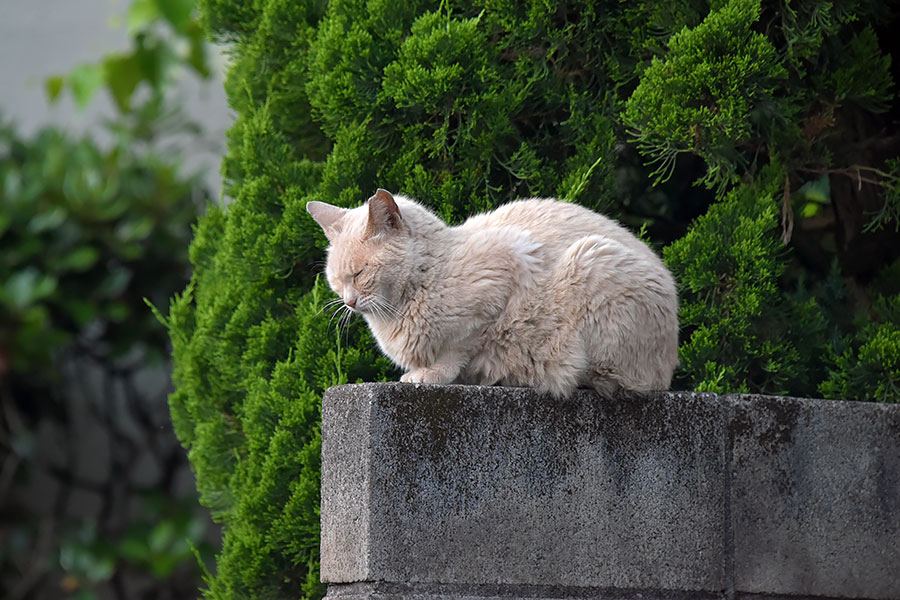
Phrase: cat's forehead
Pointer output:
(354, 224)
(347, 251)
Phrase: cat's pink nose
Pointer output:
(351, 302)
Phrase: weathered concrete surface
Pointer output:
(456, 492)
(441, 591)
(816, 497)
(499, 486)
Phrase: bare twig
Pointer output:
(787, 213)
(856, 172)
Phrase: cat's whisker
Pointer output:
(333, 315)
(375, 308)
(339, 327)
(331, 303)
(385, 311)
(379, 311)
(386, 307)
(339, 313)
(378, 308)
(344, 324)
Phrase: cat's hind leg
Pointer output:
(561, 378)
(585, 289)
(564, 361)
(616, 314)
(603, 383)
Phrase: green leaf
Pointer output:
(156, 313)
(118, 312)
(162, 536)
(196, 527)
(100, 568)
(53, 87)
(134, 549)
(197, 57)
(140, 14)
(135, 229)
(47, 220)
(810, 209)
(123, 74)
(817, 191)
(176, 12)
(115, 282)
(28, 286)
(82, 311)
(163, 564)
(81, 259)
(84, 81)
(153, 60)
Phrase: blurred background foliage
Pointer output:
(96, 499)
(754, 144)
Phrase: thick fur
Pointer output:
(537, 293)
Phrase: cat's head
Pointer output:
(367, 251)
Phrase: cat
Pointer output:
(538, 292)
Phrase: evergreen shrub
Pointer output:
(750, 141)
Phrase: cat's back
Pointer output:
(556, 223)
(602, 308)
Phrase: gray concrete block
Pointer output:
(430, 591)
(499, 486)
(815, 497)
(453, 492)
(346, 483)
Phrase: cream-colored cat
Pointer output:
(537, 293)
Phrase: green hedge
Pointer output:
(775, 201)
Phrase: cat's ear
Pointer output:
(384, 215)
(330, 218)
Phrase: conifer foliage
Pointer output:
(753, 143)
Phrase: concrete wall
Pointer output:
(467, 492)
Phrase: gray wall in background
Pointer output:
(463, 492)
(40, 38)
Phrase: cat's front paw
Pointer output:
(423, 376)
